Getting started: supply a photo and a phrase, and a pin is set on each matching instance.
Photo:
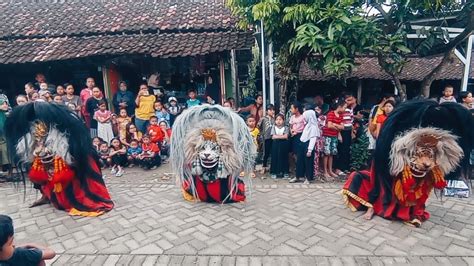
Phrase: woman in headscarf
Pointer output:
(305, 148)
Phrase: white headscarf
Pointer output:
(311, 129)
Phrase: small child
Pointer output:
(122, 121)
(192, 101)
(58, 99)
(266, 124)
(280, 148)
(173, 109)
(447, 95)
(118, 157)
(154, 131)
(104, 124)
(21, 99)
(26, 254)
(96, 143)
(165, 144)
(134, 150)
(319, 148)
(104, 155)
(150, 156)
(73, 108)
(114, 122)
(161, 113)
(330, 133)
(252, 125)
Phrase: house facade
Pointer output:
(185, 43)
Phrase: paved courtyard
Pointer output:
(280, 224)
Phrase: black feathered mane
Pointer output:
(423, 113)
(19, 122)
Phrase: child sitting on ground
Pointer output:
(161, 113)
(27, 254)
(118, 156)
(134, 150)
(154, 131)
(96, 143)
(150, 156)
(104, 157)
(165, 145)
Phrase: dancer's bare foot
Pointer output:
(41, 201)
(332, 174)
(369, 214)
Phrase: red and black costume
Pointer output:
(54, 144)
(395, 187)
(211, 149)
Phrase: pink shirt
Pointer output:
(296, 124)
(86, 93)
(104, 115)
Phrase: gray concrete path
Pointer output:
(280, 224)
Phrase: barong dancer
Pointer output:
(421, 145)
(210, 147)
(54, 144)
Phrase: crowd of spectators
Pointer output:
(315, 140)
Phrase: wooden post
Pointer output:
(233, 71)
(222, 79)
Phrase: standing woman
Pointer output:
(255, 109)
(69, 98)
(85, 94)
(92, 105)
(305, 148)
(145, 108)
(387, 109)
(466, 99)
(296, 128)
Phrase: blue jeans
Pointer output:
(141, 125)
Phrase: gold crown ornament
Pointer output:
(209, 134)
(41, 130)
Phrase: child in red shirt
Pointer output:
(154, 131)
(334, 125)
(150, 156)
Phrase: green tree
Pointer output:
(397, 19)
(328, 34)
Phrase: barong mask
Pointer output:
(43, 143)
(212, 154)
(422, 155)
(40, 132)
(211, 143)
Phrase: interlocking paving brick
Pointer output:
(285, 224)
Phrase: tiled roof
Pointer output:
(72, 18)
(415, 70)
(155, 45)
(49, 30)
